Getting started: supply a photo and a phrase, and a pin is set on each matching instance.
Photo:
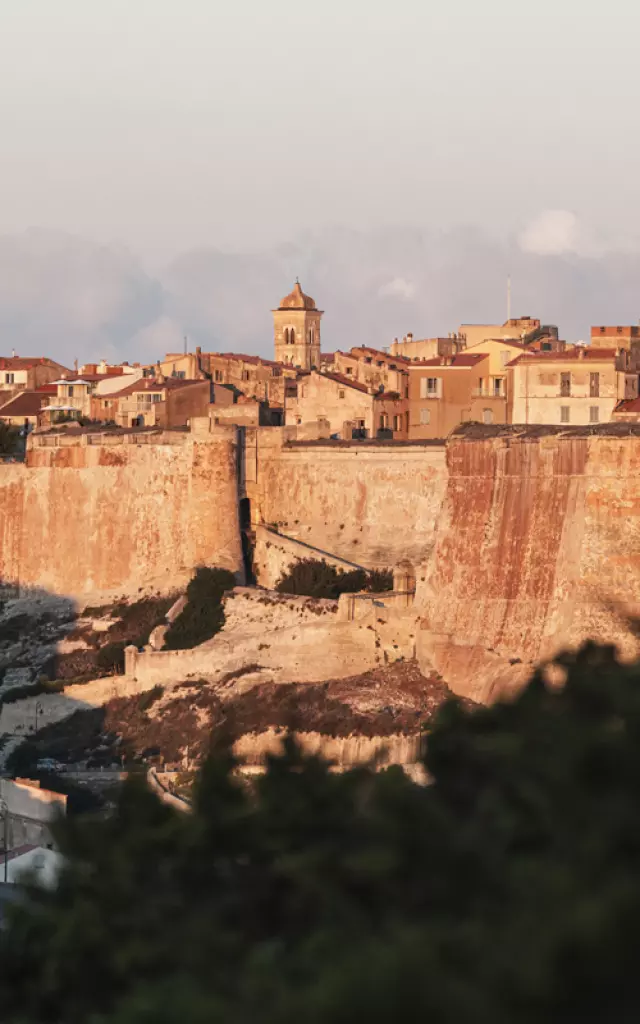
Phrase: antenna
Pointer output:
(508, 296)
(185, 345)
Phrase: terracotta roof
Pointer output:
(29, 403)
(24, 362)
(47, 389)
(463, 359)
(573, 355)
(255, 360)
(379, 354)
(340, 378)
(296, 299)
(151, 384)
(327, 357)
(628, 405)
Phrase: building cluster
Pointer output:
(517, 372)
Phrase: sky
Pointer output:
(154, 132)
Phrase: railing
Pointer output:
(483, 393)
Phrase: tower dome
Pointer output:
(296, 299)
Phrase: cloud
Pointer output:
(552, 233)
(398, 288)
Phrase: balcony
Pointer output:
(486, 393)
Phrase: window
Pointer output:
(594, 385)
(349, 369)
(487, 415)
(564, 414)
(70, 391)
(384, 420)
(430, 387)
(425, 416)
(245, 375)
(217, 375)
(340, 394)
(396, 423)
(310, 335)
(498, 385)
(565, 385)
(9, 378)
(594, 414)
(157, 398)
(292, 336)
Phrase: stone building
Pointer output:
(296, 324)
(352, 409)
(580, 386)
(374, 368)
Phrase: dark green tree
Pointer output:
(507, 890)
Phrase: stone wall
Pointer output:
(538, 549)
(99, 516)
(373, 504)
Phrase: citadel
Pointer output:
(494, 471)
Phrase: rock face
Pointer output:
(98, 516)
(538, 549)
(372, 504)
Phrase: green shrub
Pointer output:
(110, 658)
(312, 577)
(149, 698)
(380, 580)
(203, 615)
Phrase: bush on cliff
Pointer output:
(507, 891)
(312, 577)
(203, 615)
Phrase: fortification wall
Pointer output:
(98, 516)
(369, 504)
(538, 549)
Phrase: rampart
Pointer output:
(368, 503)
(102, 515)
(538, 548)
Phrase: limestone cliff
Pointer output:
(538, 548)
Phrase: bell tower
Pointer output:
(296, 329)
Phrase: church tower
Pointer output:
(296, 326)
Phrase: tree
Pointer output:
(506, 890)
(9, 439)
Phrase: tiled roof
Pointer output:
(572, 355)
(340, 378)
(255, 360)
(151, 384)
(28, 403)
(24, 362)
(628, 405)
(296, 299)
(464, 359)
(378, 354)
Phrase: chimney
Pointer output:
(13, 353)
(410, 336)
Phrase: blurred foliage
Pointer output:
(203, 615)
(312, 577)
(10, 439)
(507, 890)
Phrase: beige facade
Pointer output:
(443, 393)
(426, 348)
(296, 326)
(579, 387)
(516, 329)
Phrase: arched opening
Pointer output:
(292, 336)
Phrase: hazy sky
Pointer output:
(170, 124)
